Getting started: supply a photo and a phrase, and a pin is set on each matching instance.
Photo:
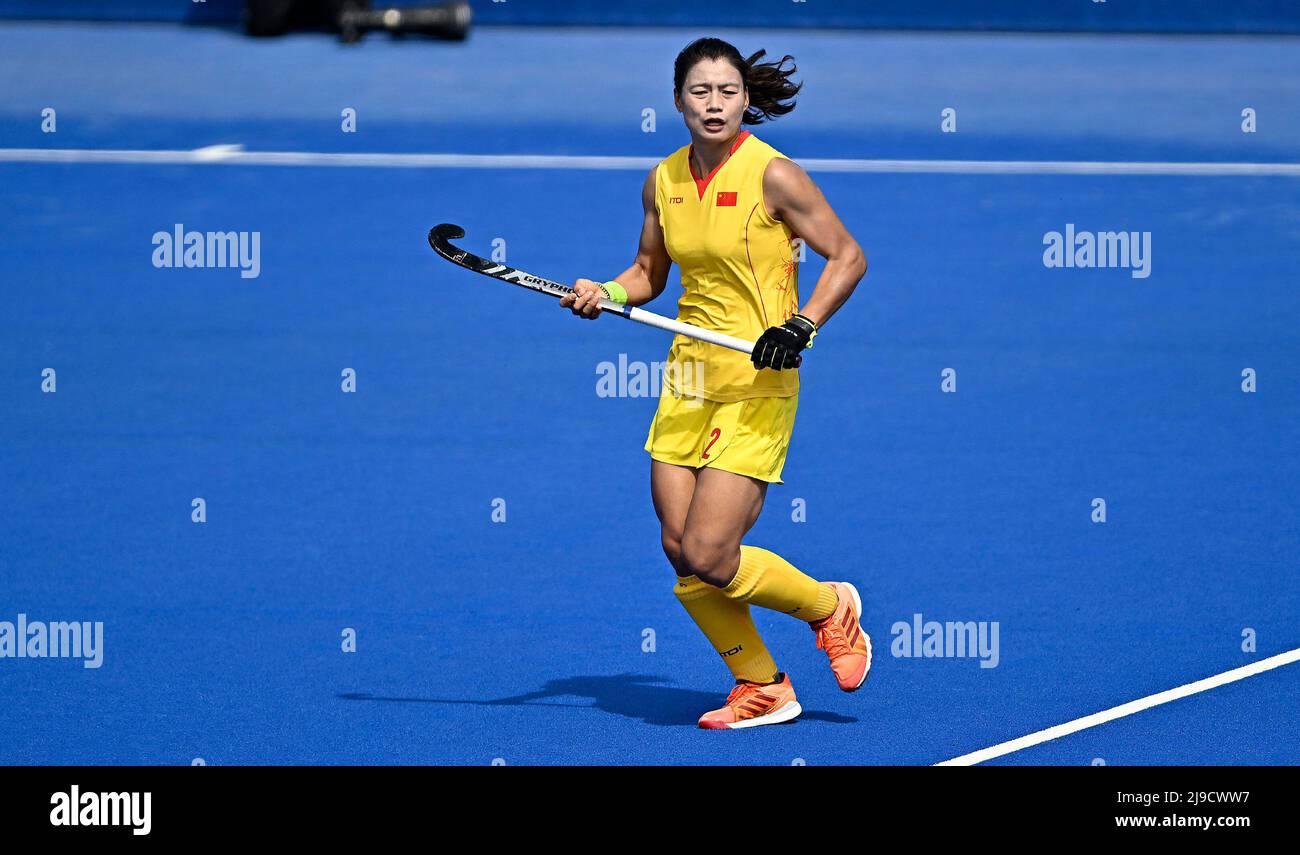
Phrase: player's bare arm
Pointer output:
(641, 282)
(793, 198)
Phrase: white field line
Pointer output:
(1123, 710)
(236, 155)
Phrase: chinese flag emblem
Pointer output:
(726, 199)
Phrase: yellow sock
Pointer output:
(729, 628)
(768, 580)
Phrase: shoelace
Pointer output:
(832, 638)
(741, 692)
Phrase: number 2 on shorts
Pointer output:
(713, 434)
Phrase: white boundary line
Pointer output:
(1125, 709)
(235, 155)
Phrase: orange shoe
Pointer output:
(842, 637)
(752, 704)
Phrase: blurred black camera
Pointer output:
(352, 19)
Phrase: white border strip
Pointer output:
(235, 155)
(1125, 709)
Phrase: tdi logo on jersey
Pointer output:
(726, 199)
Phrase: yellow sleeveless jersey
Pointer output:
(738, 273)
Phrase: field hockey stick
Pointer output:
(440, 238)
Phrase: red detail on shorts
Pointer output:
(715, 433)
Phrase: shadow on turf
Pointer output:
(630, 695)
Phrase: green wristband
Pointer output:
(615, 292)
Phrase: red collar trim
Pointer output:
(702, 183)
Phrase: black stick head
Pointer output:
(442, 234)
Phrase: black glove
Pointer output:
(779, 347)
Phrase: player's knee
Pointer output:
(712, 562)
(672, 543)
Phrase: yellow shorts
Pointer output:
(749, 437)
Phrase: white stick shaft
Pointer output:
(641, 316)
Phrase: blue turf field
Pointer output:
(523, 640)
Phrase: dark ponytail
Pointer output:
(771, 92)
